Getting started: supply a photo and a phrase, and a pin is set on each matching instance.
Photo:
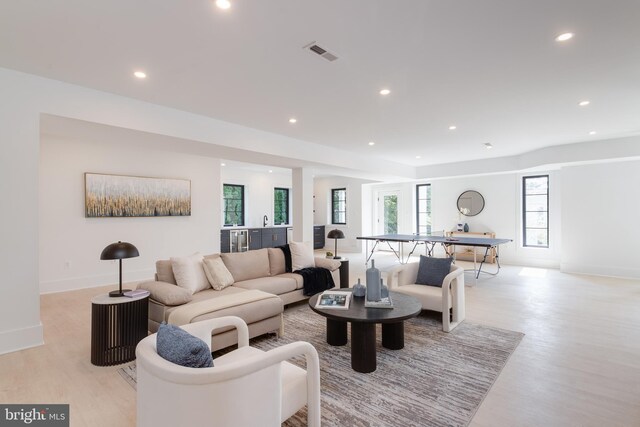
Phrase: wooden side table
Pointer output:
(117, 325)
(344, 272)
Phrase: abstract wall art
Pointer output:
(133, 196)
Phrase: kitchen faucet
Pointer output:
(265, 221)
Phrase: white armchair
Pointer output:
(451, 296)
(247, 387)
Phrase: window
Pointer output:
(233, 197)
(339, 206)
(280, 206)
(423, 209)
(535, 211)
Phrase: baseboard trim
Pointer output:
(74, 283)
(21, 339)
(599, 270)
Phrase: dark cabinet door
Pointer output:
(225, 241)
(318, 237)
(272, 237)
(255, 238)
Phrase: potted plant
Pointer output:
(329, 254)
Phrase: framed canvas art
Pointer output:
(134, 196)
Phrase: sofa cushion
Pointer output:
(247, 265)
(328, 263)
(432, 271)
(301, 255)
(189, 273)
(298, 278)
(180, 347)
(429, 296)
(274, 285)
(276, 261)
(217, 273)
(166, 293)
(164, 272)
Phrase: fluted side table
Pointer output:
(117, 325)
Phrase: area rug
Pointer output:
(438, 379)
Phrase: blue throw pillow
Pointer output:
(180, 347)
(432, 271)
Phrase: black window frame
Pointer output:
(428, 186)
(224, 203)
(334, 208)
(286, 213)
(524, 211)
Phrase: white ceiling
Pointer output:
(492, 68)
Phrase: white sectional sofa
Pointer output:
(258, 295)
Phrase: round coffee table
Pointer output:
(363, 326)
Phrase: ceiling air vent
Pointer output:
(313, 47)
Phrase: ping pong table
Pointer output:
(431, 241)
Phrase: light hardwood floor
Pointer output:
(578, 365)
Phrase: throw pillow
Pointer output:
(217, 273)
(166, 293)
(301, 255)
(189, 273)
(432, 271)
(180, 347)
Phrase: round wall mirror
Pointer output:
(470, 203)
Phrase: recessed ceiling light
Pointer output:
(372, 143)
(593, 132)
(140, 74)
(584, 103)
(223, 4)
(452, 127)
(564, 37)
(293, 120)
(223, 164)
(417, 157)
(270, 171)
(385, 92)
(488, 145)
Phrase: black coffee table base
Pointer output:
(363, 341)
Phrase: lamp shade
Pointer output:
(335, 234)
(120, 250)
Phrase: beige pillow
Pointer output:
(217, 273)
(277, 264)
(301, 255)
(189, 273)
(166, 293)
(247, 265)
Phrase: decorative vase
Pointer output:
(373, 283)
(466, 227)
(359, 290)
(384, 290)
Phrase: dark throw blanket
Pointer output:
(314, 279)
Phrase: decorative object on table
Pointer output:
(329, 254)
(384, 290)
(336, 234)
(381, 303)
(459, 226)
(466, 227)
(119, 251)
(470, 203)
(373, 282)
(133, 196)
(137, 293)
(359, 290)
(334, 300)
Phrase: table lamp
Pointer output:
(119, 251)
(336, 234)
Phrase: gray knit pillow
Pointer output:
(432, 271)
(180, 347)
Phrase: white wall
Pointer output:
(600, 227)
(258, 191)
(322, 211)
(502, 194)
(70, 244)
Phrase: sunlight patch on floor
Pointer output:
(533, 272)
